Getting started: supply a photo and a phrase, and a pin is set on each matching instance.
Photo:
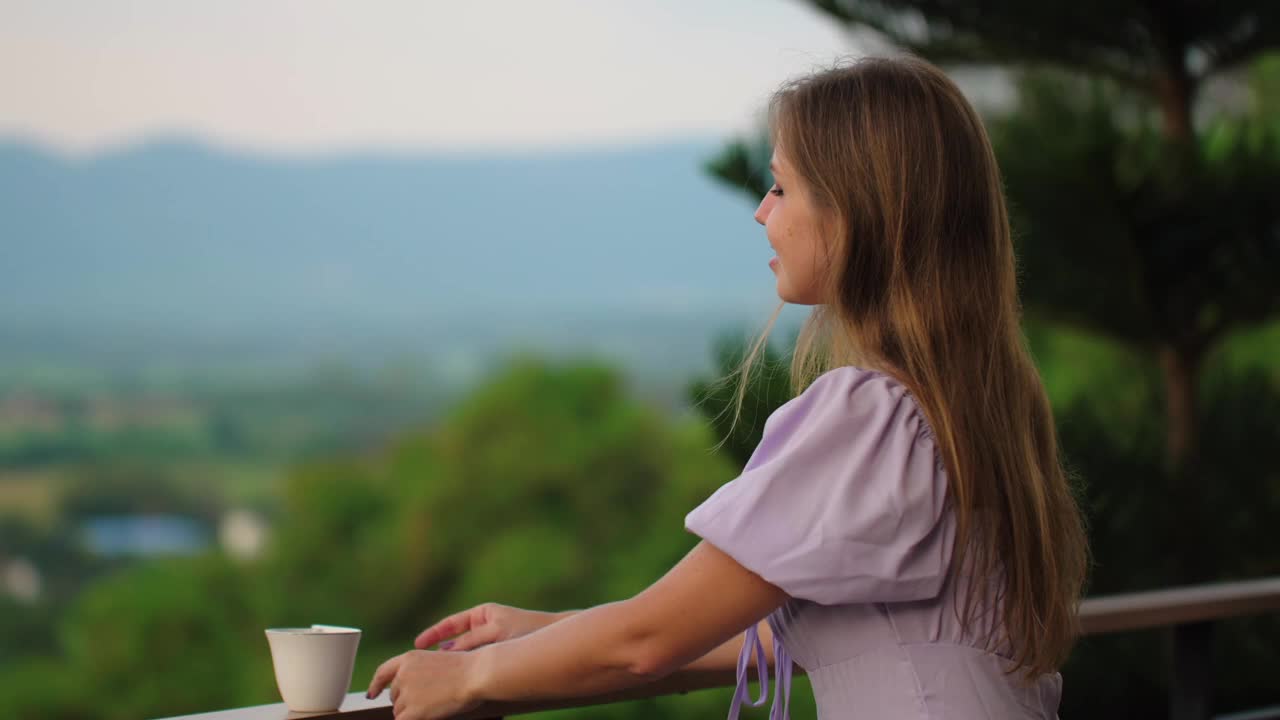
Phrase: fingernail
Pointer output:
(368, 695)
(446, 645)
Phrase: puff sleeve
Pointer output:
(843, 500)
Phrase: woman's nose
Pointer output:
(762, 212)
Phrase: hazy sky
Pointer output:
(306, 75)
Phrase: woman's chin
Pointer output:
(787, 294)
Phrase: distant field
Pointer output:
(100, 444)
(35, 494)
(32, 494)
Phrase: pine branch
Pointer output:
(1131, 41)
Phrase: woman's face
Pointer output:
(793, 226)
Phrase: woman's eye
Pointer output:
(776, 190)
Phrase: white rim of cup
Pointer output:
(323, 630)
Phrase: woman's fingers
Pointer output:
(383, 676)
(482, 635)
(455, 624)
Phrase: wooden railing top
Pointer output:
(1179, 606)
(1098, 616)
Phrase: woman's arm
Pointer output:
(691, 614)
(692, 617)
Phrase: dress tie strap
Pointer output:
(742, 693)
(782, 669)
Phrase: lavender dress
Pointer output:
(842, 505)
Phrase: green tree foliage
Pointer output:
(43, 687)
(164, 638)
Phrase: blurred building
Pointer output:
(242, 533)
(20, 580)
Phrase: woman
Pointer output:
(904, 531)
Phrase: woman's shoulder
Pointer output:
(853, 377)
(863, 396)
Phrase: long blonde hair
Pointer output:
(923, 286)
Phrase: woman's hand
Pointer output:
(484, 624)
(427, 685)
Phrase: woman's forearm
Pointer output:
(588, 652)
(724, 657)
(555, 662)
(689, 614)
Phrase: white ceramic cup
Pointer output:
(313, 665)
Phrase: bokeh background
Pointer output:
(363, 313)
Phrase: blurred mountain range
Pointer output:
(173, 251)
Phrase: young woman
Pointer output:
(904, 531)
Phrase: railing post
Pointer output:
(1191, 679)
